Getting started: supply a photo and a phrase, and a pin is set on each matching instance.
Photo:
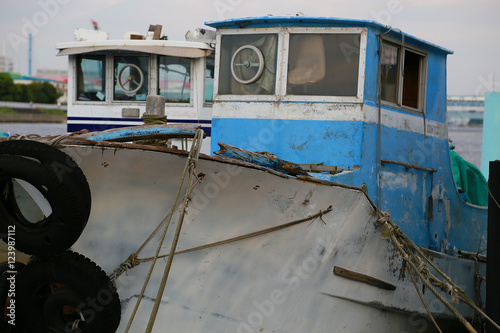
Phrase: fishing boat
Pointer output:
(108, 80)
(328, 202)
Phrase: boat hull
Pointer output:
(276, 281)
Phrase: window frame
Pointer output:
(205, 102)
(282, 65)
(265, 98)
(197, 80)
(363, 32)
(191, 87)
(150, 80)
(400, 84)
(75, 99)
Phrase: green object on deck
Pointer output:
(469, 179)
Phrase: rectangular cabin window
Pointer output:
(91, 77)
(401, 76)
(248, 64)
(131, 76)
(323, 64)
(411, 79)
(175, 79)
(389, 73)
(209, 80)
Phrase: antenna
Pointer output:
(29, 56)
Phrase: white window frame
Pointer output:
(156, 90)
(151, 80)
(206, 103)
(282, 65)
(74, 81)
(261, 31)
(330, 99)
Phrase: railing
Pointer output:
(21, 105)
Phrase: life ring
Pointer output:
(8, 272)
(60, 184)
(66, 293)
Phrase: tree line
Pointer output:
(36, 92)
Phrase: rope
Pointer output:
(379, 120)
(130, 263)
(154, 119)
(246, 236)
(191, 165)
(53, 142)
(457, 294)
(492, 197)
(158, 228)
(58, 139)
(425, 280)
(75, 325)
(478, 279)
(186, 167)
(423, 302)
(23, 137)
(132, 260)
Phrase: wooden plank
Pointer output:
(362, 278)
(157, 32)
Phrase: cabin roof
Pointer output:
(186, 49)
(309, 21)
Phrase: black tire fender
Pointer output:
(56, 307)
(67, 193)
(67, 279)
(64, 167)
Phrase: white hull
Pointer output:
(280, 281)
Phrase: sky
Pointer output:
(470, 28)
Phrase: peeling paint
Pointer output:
(401, 181)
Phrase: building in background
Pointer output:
(6, 64)
(465, 110)
(59, 79)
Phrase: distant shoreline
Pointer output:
(10, 115)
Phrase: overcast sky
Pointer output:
(471, 28)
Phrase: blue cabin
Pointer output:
(353, 102)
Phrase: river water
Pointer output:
(467, 140)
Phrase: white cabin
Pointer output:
(108, 80)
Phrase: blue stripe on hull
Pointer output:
(188, 121)
(102, 127)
